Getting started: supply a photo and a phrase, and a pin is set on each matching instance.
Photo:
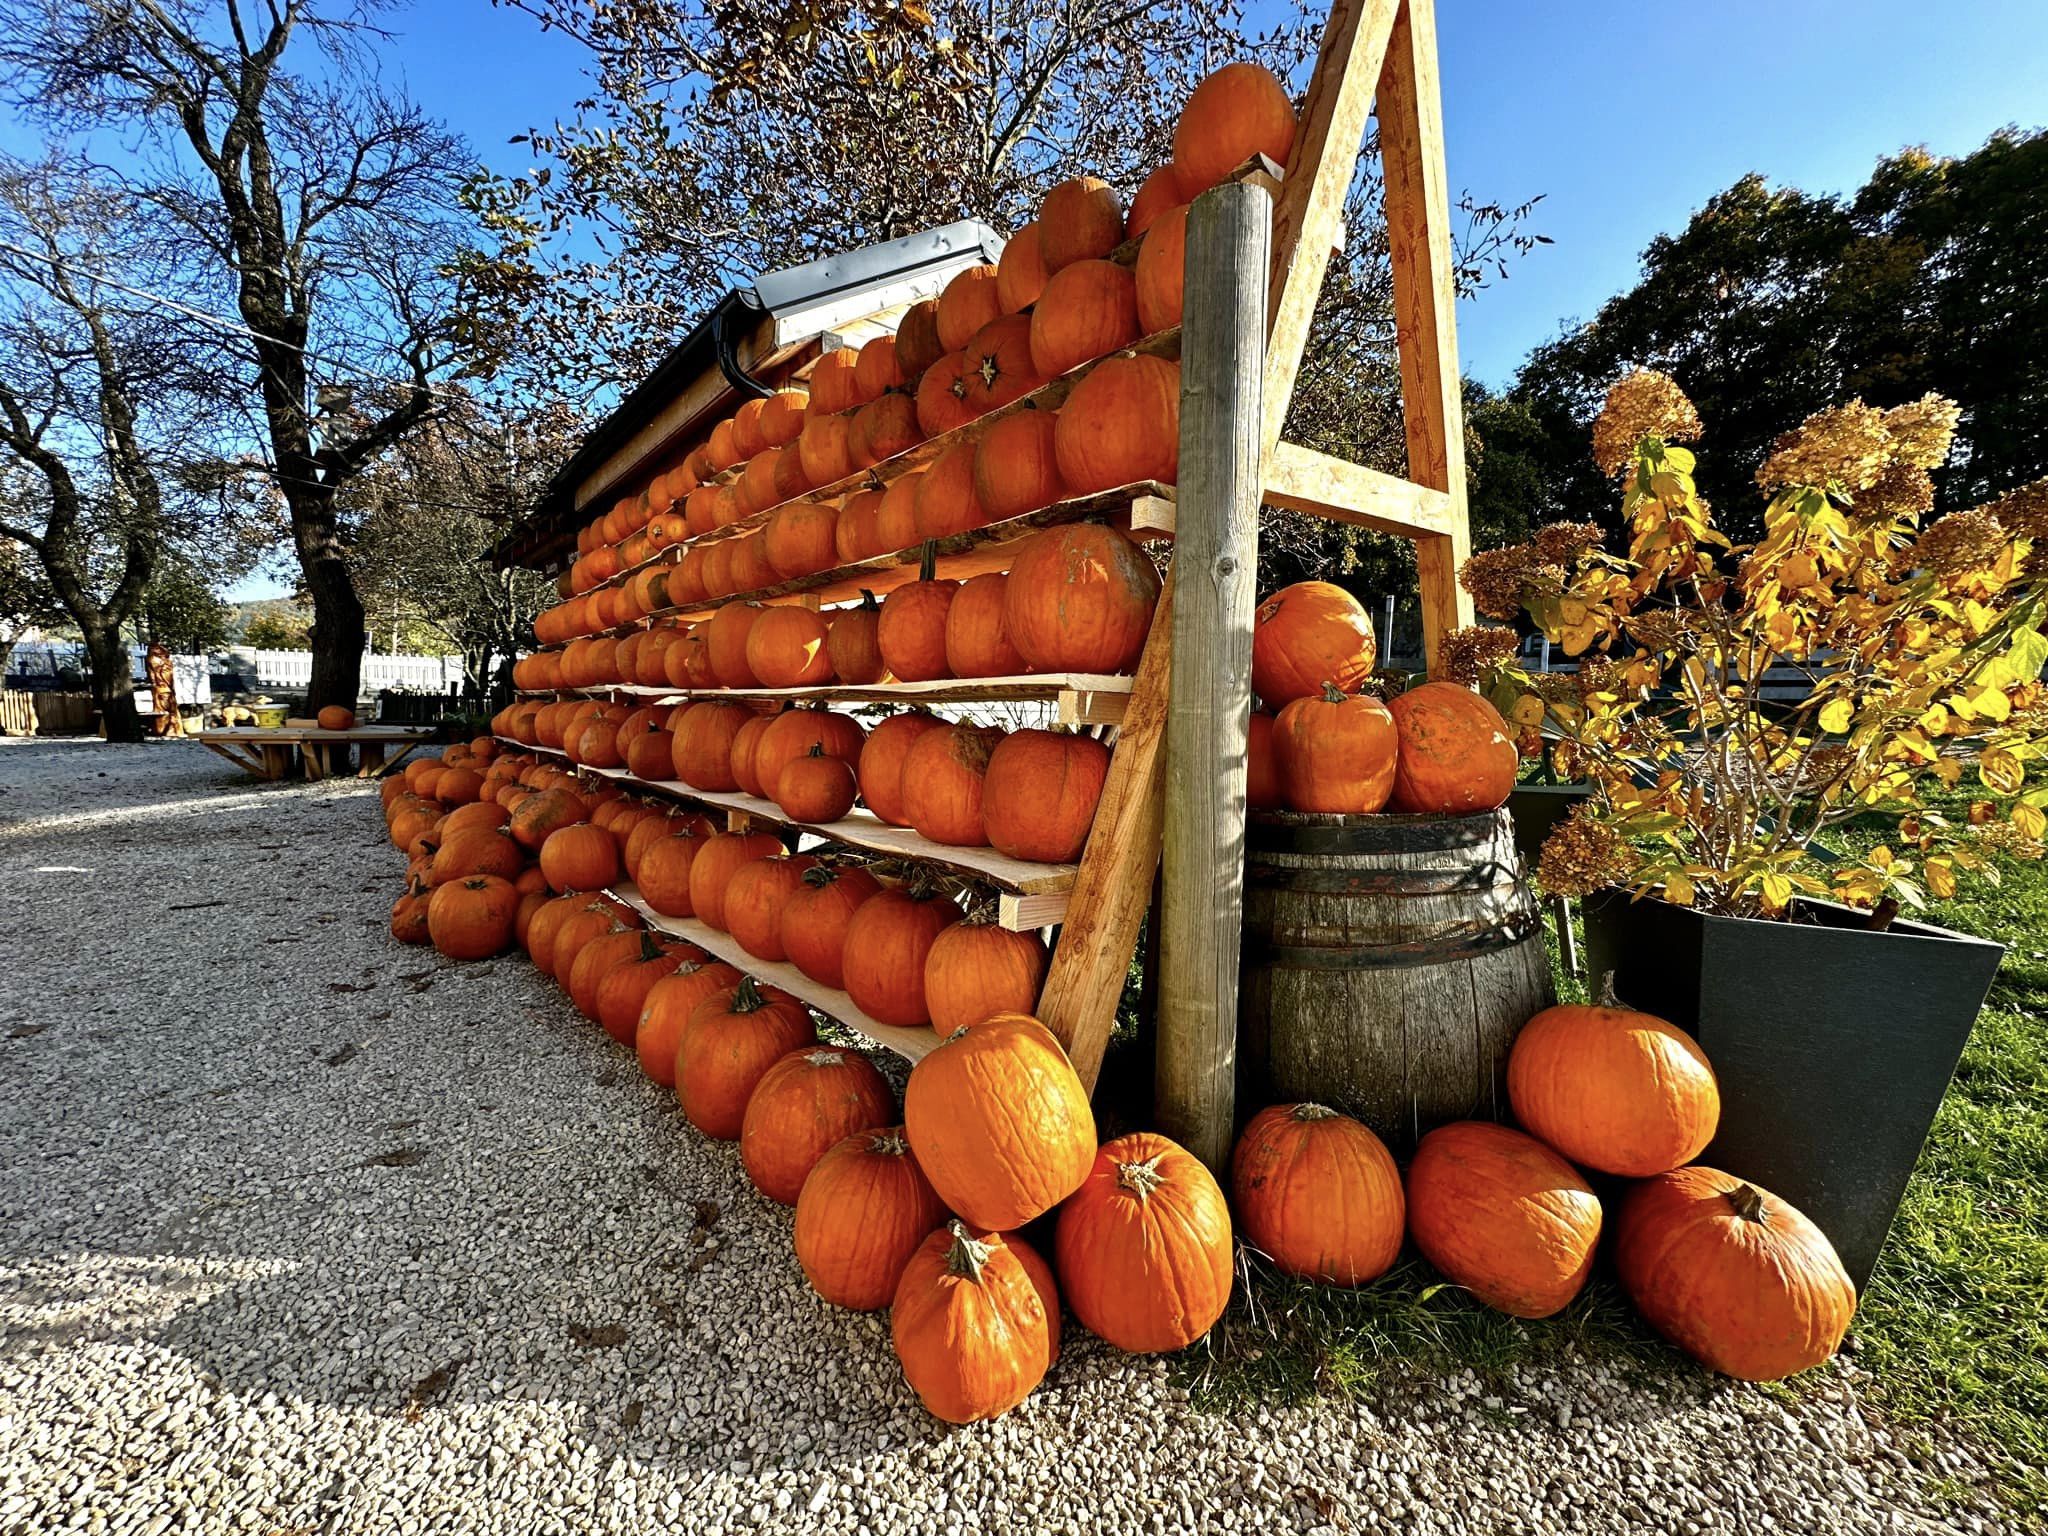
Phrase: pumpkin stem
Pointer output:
(1308, 1112)
(967, 1255)
(747, 998)
(889, 1143)
(825, 1056)
(867, 601)
(820, 875)
(928, 561)
(650, 949)
(1748, 1203)
(1608, 998)
(817, 749)
(1139, 1178)
(1332, 694)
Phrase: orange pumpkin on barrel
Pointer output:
(1456, 757)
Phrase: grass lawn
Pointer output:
(1954, 1330)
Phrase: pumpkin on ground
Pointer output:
(667, 1008)
(472, 919)
(1456, 756)
(1143, 1246)
(622, 990)
(1306, 635)
(863, 1210)
(976, 970)
(814, 919)
(804, 1105)
(1612, 1089)
(1079, 599)
(1039, 795)
(729, 1043)
(1318, 1193)
(1731, 1274)
(480, 851)
(887, 940)
(1335, 753)
(1000, 1122)
(972, 1327)
(579, 858)
(1239, 111)
(409, 916)
(1502, 1215)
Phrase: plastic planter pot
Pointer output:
(1833, 1044)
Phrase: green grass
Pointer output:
(1953, 1330)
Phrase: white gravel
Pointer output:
(304, 1232)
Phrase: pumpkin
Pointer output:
(942, 778)
(1612, 1089)
(946, 503)
(966, 304)
(976, 970)
(833, 382)
(750, 572)
(651, 757)
(857, 535)
(1079, 599)
(999, 1121)
(744, 743)
(667, 1008)
(1121, 425)
(1016, 469)
(887, 940)
(977, 645)
(1306, 635)
(471, 919)
(687, 658)
(782, 416)
(1079, 219)
(1503, 1216)
(747, 437)
(971, 1325)
(896, 514)
(799, 539)
(864, 1209)
(663, 877)
(874, 368)
(595, 960)
(721, 447)
(1020, 273)
(622, 990)
(1143, 1246)
(1335, 753)
(481, 851)
(852, 643)
(703, 744)
(1262, 769)
(786, 648)
(542, 927)
(804, 1105)
(580, 858)
(1239, 111)
(911, 632)
(791, 735)
(711, 872)
(727, 637)
(1731, 1274)
(882, 429)
(335, 717)
(817, 788)
(1039, 794)
(1157, 195)
(917, 339)
(942, 396)
(998, 364)
(814, 919)
(826, 447)
(728, 1045)
(1088, 310)
(754, 899)
(1161, 271)
(409, 915)
(881, 763)
(645, 834)
(539, 816)
(1456, 756)
(1318, 1194)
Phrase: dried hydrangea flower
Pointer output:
(1960, 543)
(1464, 655)
(2023, 510)
(2003, 837)
(1496, 578)
(1562, 543)
(1846, 445)
(1922, 430)
(1641, 404)
(1904, 490)
(1582, 855)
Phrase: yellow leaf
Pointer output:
(1935, 720)
(1528, 710)
(1881, 856)
(1992, 703)
(2030, 820)
(1678, 891)
(1949, 770)
(1777, 890)
(2001, 772)
(1941, 879)
(1835, 716)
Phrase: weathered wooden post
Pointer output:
(1216, 546)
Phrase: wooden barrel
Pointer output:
(1388, 963)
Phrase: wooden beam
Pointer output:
(1425, 306)
(1303, 480)
(1308, 218)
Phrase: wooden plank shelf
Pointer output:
(1081, 698)
(1029, 895)
(911, 1044)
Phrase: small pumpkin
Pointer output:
(409, 915)
(596, 960)
(803, 1105)
(1306, 635)
(1335, 753)
(728, 1045)
(946, 502)
(754, 899)
(1039, 795)
(852, 643)
(704, 741)
(816, 788)
(663, 877)
(622, 990)
(887, 940)
(1318, 1193)
(473, 850)
(792, 734)
(1456, 757)
(815, 917)
(539, 816)
(863, 1210)
(335, 717)
(971, 1324)
(942, 396)
(976, 970)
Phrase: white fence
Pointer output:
(47, 659)
(285, 671)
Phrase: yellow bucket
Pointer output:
(270, 717)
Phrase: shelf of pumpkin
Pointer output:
(905, 1042)
(1028, 895)
(1080, 698)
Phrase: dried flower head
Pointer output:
(2023, 510)
(1922, 430)
(1497, 578)
(1598, 676)
(2003, 837)
(1846, 446)
(1661, 630)
(1959, 543)
(1562, 543)
(1903, 491)
(1641, 404)
(1465, 654)
(1582, 855)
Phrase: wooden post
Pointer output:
(1216, 548)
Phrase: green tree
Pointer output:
(180, 609)
(272, 628)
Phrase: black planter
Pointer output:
(1535, 809)
(1833, 1044)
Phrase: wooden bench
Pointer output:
(269, 754)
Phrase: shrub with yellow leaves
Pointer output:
(1920, 643)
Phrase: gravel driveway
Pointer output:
(301, 1231)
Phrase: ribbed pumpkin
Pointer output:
(782, 416)
(826, 447)
(664, 873)
(942, 779)
(976, 970)
(942, 396)
(471, 919)
(881, 763)
(804, 1105)
(798, 539)
(977, 645)
(817, 789)
(917, 339)
(911, 632)
(887, 940)
(997, 364)
(999, 1121)
(1336, 753)
(539, 816)
(815, 917)
(751, 570)
(1306, 635)
(884, 428)
(1161, 272)
(667, 1008)
(1079, 219)
(728, 1045)
(863, 1211)
(716, 863)
(1088, 310)
(857, 534)
(703, 744)
(622, 990)
(852, 643)
(1020, 274)
(1016, 469)
(1318, 1194)
(1731, 1274)
(946, 501)
(1157, 194)
(595, 960)
(1612, 1089)
(1121, 425)
(974, 1327)
(834, 386)
(744, 744)
(1079, 599)
(1262, 790)
(1503, 1216)
(473, 850)
(896, 514)
(786, 648)
(755, 897)
(792, 735)
(966, 304)
(578, 858)
(1239, 111)
(727, 637)
(1457, 757)
(541, 928)
(875, 369)
(1039, 794)
(1143, 1246)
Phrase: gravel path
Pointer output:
(304, 1232)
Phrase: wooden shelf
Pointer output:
(1082, 698)
(911, 1044)
(1029, 895)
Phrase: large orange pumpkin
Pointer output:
(942, 778)
(1143, 1246)
(744, 743)
(1088, 310)
(1121, 425)
(1262, 769)
(917, 339)
(1456, 756)
(875, 369)
(834, 383)
(1612, 1089)
(1335, 753)
(1039, 794)
(703, 744)
(716, 863)
(1079, 599)
(882, 429)
(826, 447)
(814, 919)
(966, 304)
(540, 816)
(976, 970)
(667, 1008)
(1306, 635)
(1016, 469)
(782, 416)
(786, 648)
(999, 1121)
(580, 858)
(998, 364)
(663, 876)
(942, 396)
(727, 638)
(1161, 272)
(887, 940)
(896, 514)
(798, 540)
(1079, 219)
(622, 990)
(863, 1211)
(473, 850)
(728, 1045)
(974, 1327)
(1239, 111)
(1318, 1194)
(1503, 1216)
(1157, 194)
(881, 762)
(754, 899)
(817, 789)
(803, 1106)
(852, 643)
(471, 919)
(596, 960)
(1020, 274)
(946, 501)
(911, 632)
(1731, 1274)
(793, 733)
(977, 645)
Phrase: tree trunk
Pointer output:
(337, 636)
(111, 676)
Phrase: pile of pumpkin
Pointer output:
(1063, 297)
